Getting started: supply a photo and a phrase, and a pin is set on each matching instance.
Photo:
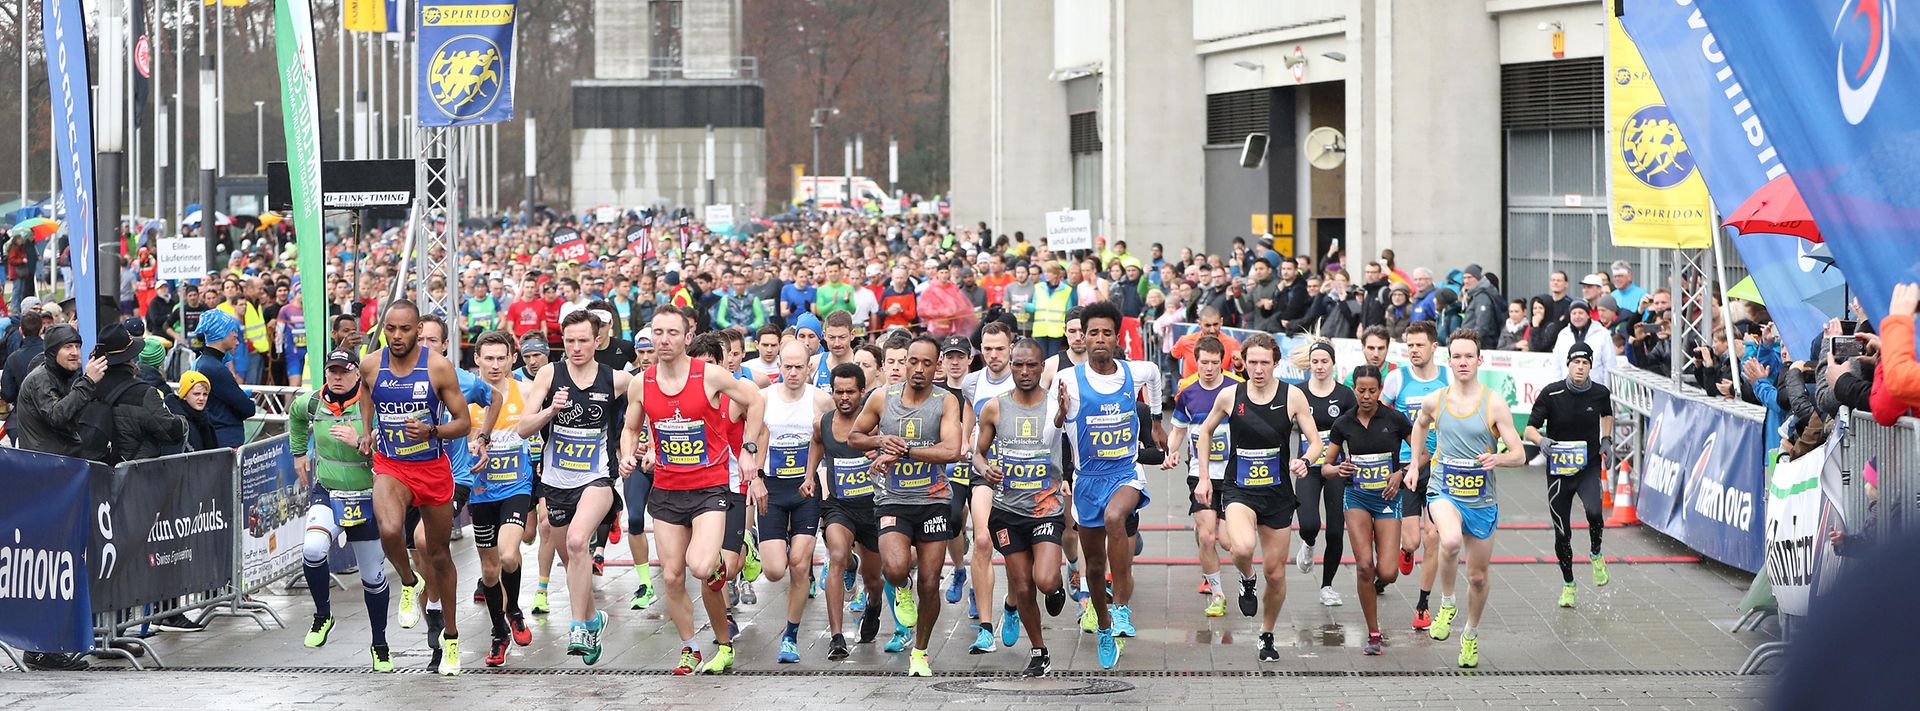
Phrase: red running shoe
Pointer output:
(613, 536)
(1205, 589)
(497, 653)
(517, 624)
(1422, 620)
(1406, 562)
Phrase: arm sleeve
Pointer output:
(297, 424)
(1902, 373)
(1854, 392)
(62, 412)
(1148, 375)
(228, 392)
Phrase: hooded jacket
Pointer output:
(51, 398)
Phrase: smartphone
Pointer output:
(1845, 348)
(1848, 328)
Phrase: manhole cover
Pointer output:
(1045, 686)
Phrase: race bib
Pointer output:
(910, 476)
(300, 338)
(681, 443)
(960, 472)
(852, 478)
(1112, 435)
(503, 463)
(576, 448)
(1462, 478)
(1372, 471)
(1326, 438)
(1026, 471)
(1256, 468)
(787, 461)
(1216, 448)
(352, 508)
(1566, 458)
(393, 434)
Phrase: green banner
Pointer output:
(293, 42)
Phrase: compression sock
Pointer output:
(318, 584)
(510, 580)
(496, 609)
(377, 611)
(1422, 605)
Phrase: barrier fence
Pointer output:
(105, 551)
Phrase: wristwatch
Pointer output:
(750, 448)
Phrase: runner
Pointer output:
(433, 338)
(577, 400)
(839, 342)
(979, 388)
(956, 358)
(1014, 452)
(1366, 441)
(916, 428)
(341, 499)
(1322, 491)
(1470, 423)
(1572, 422)
(535, 355)
(1406, 390)
(1190, 407)
(1374, 344)
(848, 511)
(1074, 354)
(688, 433)
(409, 386)
(766, 348)
(502, 492)
(1098, 414)
(790, 518)
(1259, 499)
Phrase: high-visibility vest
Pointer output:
(481, 313)
(1050, 304)
(253, 328)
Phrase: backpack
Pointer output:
(95, 425)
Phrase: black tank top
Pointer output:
(1265, 429)
(590, 409)
(1326, 410)
(846, 468)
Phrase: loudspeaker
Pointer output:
(1255, 151)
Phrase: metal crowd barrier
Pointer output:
(1883, 516)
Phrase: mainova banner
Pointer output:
(44, 601)
(1704, 480)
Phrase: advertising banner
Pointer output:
(1735, 153)
(275, 509)
(293, 44)
(1800, 514)
(65, 24)
(568, 245)
(44, 603)
(1658, 198)
(163, 528)
(465, 62)
(1703, 480)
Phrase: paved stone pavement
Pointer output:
(1657, 636)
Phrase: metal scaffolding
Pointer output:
(436, 222)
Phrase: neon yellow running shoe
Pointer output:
(905, 610)
(410, 602)
(751, 568)
(1218, 607)
(1089, 620)
(1566, 595)
(322, 626)
(382, 658)
(1443, 623)
(539, 606)
(1599, 571)
(917, 666)
(722, 660)
(449, 657)
(1469, 652)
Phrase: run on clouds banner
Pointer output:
(293, 44)
(465, 62)
(163, 528)
(1836, 82)
(44, 603)
(1704, 481)
(1735, 151)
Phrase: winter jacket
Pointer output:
(51, 398)
(143, 427)
(1483, 311)
(228, 406)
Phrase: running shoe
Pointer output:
(1469, 652)
(599, 565)
(577, 642)
(956, 585)
(718, 578)
(410, 602)
(813, 581)
(479, 593)
(748, 596)
(1406, 562)
(733, 628)
(1599, 571)
(613, 536)
(1375, 645)
(1076, 585)
(1038, 664)
(517, 623)
(917, 664)
(837, 649)
(539, 606)
(851, 577)
(1566, 595)
(1249, 599)
(1422, 620)
(449, 657)
(1380, 587)
(382, 658)
(594, 647)
(905, 611)
(982, 640)
(322, 626)
(689, 661)
(1108, 647)
(973, 610)
(1205, 587)
(497, 651)
(722, 660)
(436, 623)
(1089, 620)
(901, 636)
(751, 568)
(1122, 621)
(1443, 623)
(1217, 606)
(789, 652)
(733, 593)
(643, 598)
(869, 624)
(1303, 556)
(858, 601)
(1056, 601)
(1329, 597)
(1009, 627)
(1268, 652)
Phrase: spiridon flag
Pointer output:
(293, 43)
(65, 25)
(465, 61)
(1659, 199)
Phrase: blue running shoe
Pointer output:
(858, 603)
(848, 579)
(973, 610)
(901, 636)
(789, 652)
(1122, 621)
(982, 640)
(958, 584)
(1109, 649)
(1009, 627)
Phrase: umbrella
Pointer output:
(40, 227)
(1746, 290)
(220, 219)
(1776, 209)
(270, 219)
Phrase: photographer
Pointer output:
(1649, 348)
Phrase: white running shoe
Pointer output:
(1303, 556)
(1329, 597)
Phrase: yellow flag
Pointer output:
(1658, 198)
(364, 15)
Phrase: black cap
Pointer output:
(1475, 271)
(342, 357)
(1580, 350)
(956, 344)
(1580, 304)
(116, 345)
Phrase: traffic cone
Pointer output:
(1606, 488)
(1623, 511)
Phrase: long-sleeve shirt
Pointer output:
(338, 466)
(228, 406)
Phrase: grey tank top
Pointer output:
(1024, 439)
(913, 483)
(1463, 437)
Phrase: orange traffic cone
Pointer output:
(1606, 487)
(1623, 511)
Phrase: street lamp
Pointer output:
(819, 122)
(259, 138)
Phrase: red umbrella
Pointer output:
(1776, 209)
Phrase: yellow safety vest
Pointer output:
(253, 328)
(1050, 304)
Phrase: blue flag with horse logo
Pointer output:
(465, 60)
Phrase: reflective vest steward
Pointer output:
(252, 328)
(1050, 304)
